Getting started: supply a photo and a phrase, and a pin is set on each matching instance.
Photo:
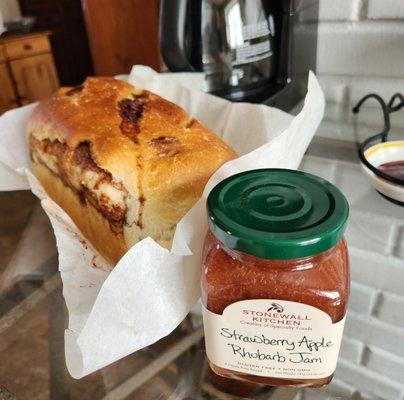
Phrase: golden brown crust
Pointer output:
(161, 155)
(87, 218)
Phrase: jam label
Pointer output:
(273, 338)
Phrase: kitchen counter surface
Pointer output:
(371, 364)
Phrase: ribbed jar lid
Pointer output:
(277, 213)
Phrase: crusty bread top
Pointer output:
(149, 144)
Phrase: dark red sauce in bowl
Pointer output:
(393, 168)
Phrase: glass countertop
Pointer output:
(33, 315)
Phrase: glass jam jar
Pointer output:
(275, 278)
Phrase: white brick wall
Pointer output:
(368, 48)
(381, 361)
(335, 10)
(340, 388)
(377, 333)
(363, 298)
(368, 381)
(384, 273)
(350, 89)
(359, 38)
(372, 351)
(352, 349)
(385, 9)
(399, 248)
(370, 232)
(360, 50)
(390, 308)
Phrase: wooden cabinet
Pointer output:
(26, 46)
(69, 39)
(8, 98)
(35, 77)
(27, 70)
(2, 55)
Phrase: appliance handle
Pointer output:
(172, 34)
(285, 54)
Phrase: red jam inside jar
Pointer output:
(275, 257)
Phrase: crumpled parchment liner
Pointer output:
(151, 290)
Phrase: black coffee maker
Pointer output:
(246, 48)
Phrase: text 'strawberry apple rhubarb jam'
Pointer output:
(275, 279)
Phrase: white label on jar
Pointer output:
(273, 338)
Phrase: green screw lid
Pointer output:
(277, 213)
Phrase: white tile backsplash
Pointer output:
(340, 389)
(361, 51)
(363, 298)
(343, 130)
(350, 89)
(360, 47)
(374, 332)
(381, 272)
(399, 247)
(385, 9)
(368, 381)
(369, 48)
(319, 166)
(336, 10)
(352, 349)
(390, 308)
(370, 232)
(381, 361)
(335, 88)
(373, 340)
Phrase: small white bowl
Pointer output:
(379, 154)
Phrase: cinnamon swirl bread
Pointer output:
(124, 163)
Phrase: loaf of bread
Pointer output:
(123, 162)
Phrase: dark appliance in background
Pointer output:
(249, 50)
(69, 37)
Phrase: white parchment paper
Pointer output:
(151, 289)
